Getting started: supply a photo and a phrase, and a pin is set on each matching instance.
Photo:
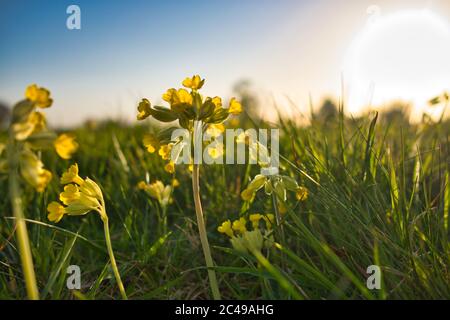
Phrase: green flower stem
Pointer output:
(280, 227)
(111, 257)
(278, 217)
(22, 233)
(202, 232)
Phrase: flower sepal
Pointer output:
(41, 140)
(21, 111)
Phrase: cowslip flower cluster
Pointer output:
(158, 191)
(195, 113)
(29, 132)
(79, 197)
(277, 184)
(186, 107)
(65, 145)
(32, 170)
(244, 240)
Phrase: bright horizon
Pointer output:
(124, 52)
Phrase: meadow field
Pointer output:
(368, 190)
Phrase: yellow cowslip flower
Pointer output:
(215, 130)
(70, 194)
(165, 150)
(233, 123)
(225, 227)
(191, 167)
(83, 205)
(34, 123)
(38, 120)
(32, 170)
(170, 167)
(157, 191)
(142, 185)
(44, 179)
(239, 225)
(184, 96)
(193, 83)
(235, 107)
(215, 151)
(175, 183)
(40, 96)
(65, 145)
(82, 197)
(301, 193)
(269, 220)
(55, 211)
(257, 183)
(144, 109)
(247, 194)
(80, 200)
(170, 95)
(151, 142)
(248, 241)
(90, 188)
(71, 175)
(254, 218)
(217, 102)
(176, 97)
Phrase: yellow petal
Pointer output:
(165, 151)
(44, 178)
(142, 185)
(170, 167)
(71, 175)
(151, 142)
(239, 225)
(184, 96)
(170, 95)
(235, 107)
(144, 109)
(40, 96)
(225, 227)
(193, 83)
(55, 211)
(70, 194)
(254, 218)
(65, 145)
(301, 193)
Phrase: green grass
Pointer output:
(379, 194)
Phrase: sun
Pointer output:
(401, 56)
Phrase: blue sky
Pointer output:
(126, 50)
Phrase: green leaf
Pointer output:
(163, 114)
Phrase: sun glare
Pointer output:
(401, 56)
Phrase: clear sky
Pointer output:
(127, 50)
